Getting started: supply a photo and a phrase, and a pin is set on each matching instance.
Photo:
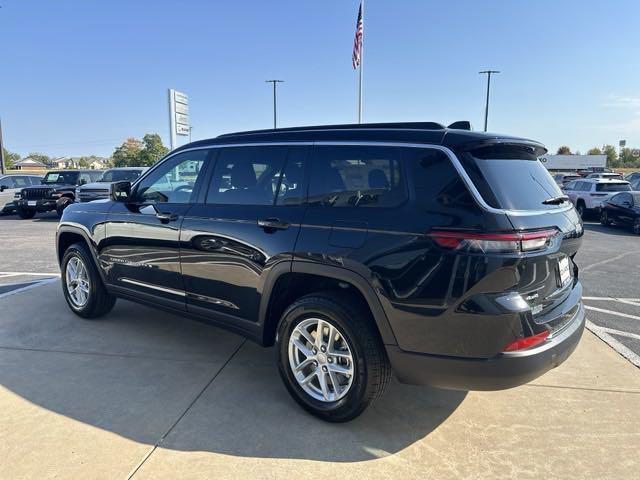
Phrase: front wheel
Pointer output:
(330, 356)
(581, 209)
(25, 213)
(61, 204)
(636, 226)
(83, 289)
(604, 218)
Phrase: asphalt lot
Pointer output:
(144, 394)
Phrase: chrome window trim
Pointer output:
(447, 151)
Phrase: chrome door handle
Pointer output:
(272, 224)
(166, 217)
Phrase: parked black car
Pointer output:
(622, 209)
(442, 255)
(56, 192)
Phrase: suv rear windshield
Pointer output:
(511, 177)
(120, 175)
(613, 187)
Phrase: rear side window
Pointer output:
(436, 181)
(511, 177)
(613, 187)
(356, 176)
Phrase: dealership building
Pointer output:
(569, 163)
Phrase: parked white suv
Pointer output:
(589, 193)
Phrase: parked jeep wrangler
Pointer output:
(442, 255)
(56, 192)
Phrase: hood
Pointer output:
(96, 186)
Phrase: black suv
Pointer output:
(56, 192)
(442, 255)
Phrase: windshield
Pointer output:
(120, 175)
(511, 177)
(67, 178)
(613, 187)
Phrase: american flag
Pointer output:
(357, 41)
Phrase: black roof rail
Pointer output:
(348, 126)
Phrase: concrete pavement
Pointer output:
(145, 394)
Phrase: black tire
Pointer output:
(61, 204)
(99, 301)
(604, 218)
(26, 213)
(636, 226)
(372, 371)
(580, 208)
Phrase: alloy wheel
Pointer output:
(77, 279)
(321, 360)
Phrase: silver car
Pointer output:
(10, 185)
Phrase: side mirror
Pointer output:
(3, 188)
(120, 191)
(626, 203)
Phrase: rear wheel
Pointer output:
(604, 218)
(26, 213)
(83, 289)
(330, 356)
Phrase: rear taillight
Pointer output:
(526, 342)
(511, 242)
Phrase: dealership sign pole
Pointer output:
(178, 116)
(1, 151)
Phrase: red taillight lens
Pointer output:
(495, 242)
(526, 342)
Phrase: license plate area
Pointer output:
(564, 272)
(32, 203)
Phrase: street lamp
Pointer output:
(275, 108)
(486, 108)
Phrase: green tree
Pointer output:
(152, 151)
(612, 155)
(594, 151)
(10, 158)
(627, 159)
(84, 162)
(563, 150)
(127, 154)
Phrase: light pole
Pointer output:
(275, 106)
(1, 151)
(486, 108)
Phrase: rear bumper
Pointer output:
(506, 370)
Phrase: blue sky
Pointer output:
(78, 77)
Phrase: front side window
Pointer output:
(246, 175)
(356, 176)
(174, 180)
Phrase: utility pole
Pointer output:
(486, 108)
(275, 101)
(2, 170)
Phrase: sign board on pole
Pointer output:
(178, 115)
(622, 143)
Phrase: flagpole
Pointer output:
(361, 66)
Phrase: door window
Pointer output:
(356, 176)
(173, 181)
(247, 176)
(293, 187)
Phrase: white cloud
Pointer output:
(621, 101)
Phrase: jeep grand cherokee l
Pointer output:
(56, 192)
(444, 256)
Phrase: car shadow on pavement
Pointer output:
(610, 230)
(147, 375)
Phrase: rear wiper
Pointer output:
(556, 200)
